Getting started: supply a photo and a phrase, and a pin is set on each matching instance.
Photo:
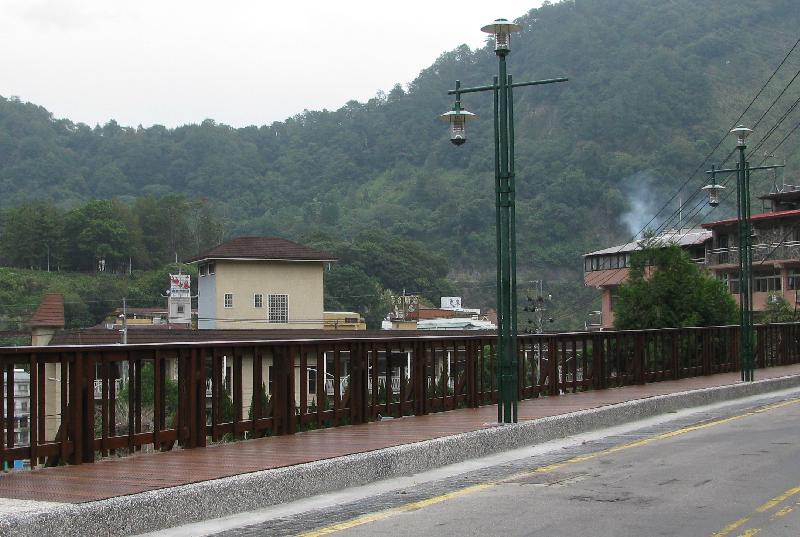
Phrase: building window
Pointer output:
(766, 282)
(181, 309)
(203, 269)
(258, 300)
(23, 406)
(612, 300)
(794, 279)
(22, 388)
(228, 300)
(731, 281)
(312, 381)
(211, 268)
(278, 308)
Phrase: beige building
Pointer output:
(261, 283)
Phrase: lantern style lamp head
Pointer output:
(713, 192)
(741, 132)
(458, 119)
(502, 29)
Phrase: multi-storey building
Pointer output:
(606, 269)
(261, 282)
(776, 249)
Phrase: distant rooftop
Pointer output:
(50, 311)
(794, 213)
(681, 237)
(263, 248)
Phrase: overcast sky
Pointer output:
(240, 62)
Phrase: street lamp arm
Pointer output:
(515, 85)
(733, 170)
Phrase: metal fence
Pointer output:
(92, 401)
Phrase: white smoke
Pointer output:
(643, 203)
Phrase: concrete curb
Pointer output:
(150, 511)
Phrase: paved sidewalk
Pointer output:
(113, 478)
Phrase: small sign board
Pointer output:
(180, 285)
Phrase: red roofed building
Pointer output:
(776, 249)
(48, 318)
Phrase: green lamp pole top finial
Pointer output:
(502, 30)
(741, 132)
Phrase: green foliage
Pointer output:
(374, 265)
(149, 233)
(777, 311)
(665, 288)
(148, 389)
(226, 405)
(264, 402)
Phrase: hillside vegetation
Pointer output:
(653, 86)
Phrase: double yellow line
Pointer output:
(413, 506)
(773, 503)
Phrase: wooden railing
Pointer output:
(188, 394)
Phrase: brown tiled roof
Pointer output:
(268, 248)
(101, 336)
(50, 311)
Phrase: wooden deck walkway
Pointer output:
(143, 472)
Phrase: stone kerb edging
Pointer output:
(163, 508)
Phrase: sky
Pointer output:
(239, 62)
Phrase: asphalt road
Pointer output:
(732, 472)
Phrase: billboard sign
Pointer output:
(180, 285)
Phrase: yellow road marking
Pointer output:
(730, 527)
(413, 506)
(778, 499)
(664, 436)
(783, 512)
(774, 502)
(382, 515)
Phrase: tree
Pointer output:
(667, 289)
(777, 311)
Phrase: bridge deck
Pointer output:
(143, 472)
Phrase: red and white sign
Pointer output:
(180, 285)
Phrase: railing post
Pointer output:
(420, 380)
(638, 358)
(762, 334)
(706, 364)
(87, 391)
(470, 373)
(552, 363)
(199, 394)
(358, 383)
(75, 412)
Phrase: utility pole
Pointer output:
(124, 318)
(744, 229)
(505, 219)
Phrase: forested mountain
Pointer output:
(654, 84)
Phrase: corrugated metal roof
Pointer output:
(681, 237)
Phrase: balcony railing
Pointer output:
(190, 394)
(761, 252)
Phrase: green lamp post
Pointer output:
(502, 89)
(743, 169)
